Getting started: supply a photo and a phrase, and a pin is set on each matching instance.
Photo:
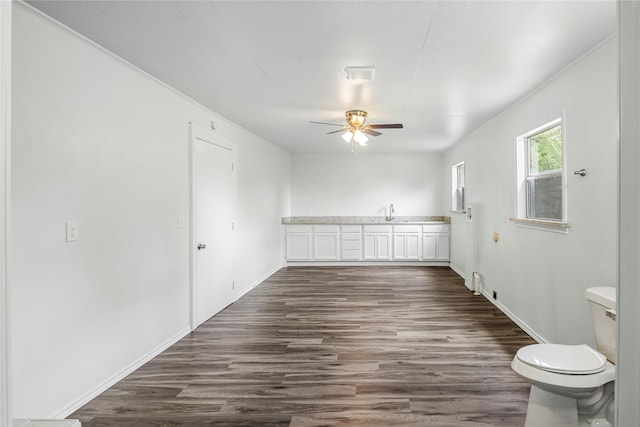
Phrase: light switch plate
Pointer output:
(73, 231)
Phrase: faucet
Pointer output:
(391, 212)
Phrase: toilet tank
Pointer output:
(602, 305)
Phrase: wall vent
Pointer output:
(360, 73)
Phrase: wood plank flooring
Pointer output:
(334, 346)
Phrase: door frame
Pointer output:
(627, 390)
(5, 209)
(199, 133)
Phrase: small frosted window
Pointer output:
(457, 187)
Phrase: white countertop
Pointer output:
(339, 220)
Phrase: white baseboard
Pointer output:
(515, 318)
(467, 281)
(258, 281)
(365, 263)
(457, 270)
(46, 423)
(92, 394)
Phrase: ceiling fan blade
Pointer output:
(335, 131)
(387, 126)
(323, 123)
(372, 132)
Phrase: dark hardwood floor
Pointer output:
(333, 346)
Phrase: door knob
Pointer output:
(201, 246)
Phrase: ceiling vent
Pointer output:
(360, 73)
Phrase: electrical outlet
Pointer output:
(72, 231)
(495, 295)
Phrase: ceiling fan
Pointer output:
(356, 128)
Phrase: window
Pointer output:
(457, 187)
(541, 192)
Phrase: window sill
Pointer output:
(553, 226)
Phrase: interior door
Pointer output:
(214, 196)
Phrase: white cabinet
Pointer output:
(407, 241)
(373, 242)
(435, 242)
(326, 242)
(312, 242)
(298, 239)
(351, 242)
(377, 242)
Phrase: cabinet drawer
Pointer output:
(351, 244)
(435, 228)
(326, 228)
(377, 228)
(407, 228)
(351, 228)
(351, 254)
(351, 236)
(299, 228)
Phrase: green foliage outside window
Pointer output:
(545, 150)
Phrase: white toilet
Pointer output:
(572, 385)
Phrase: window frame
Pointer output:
(524, 176)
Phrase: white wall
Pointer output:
(540, 276)
(458, 232)
(365, 185)
(98, 142)
(628, 379)
(264, 193)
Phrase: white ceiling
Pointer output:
(443, 68)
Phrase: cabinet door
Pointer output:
(442, 246)
(428, 246)
(406, 246)
(413, 246)
(370, 246)
(399, 246)
(326, 246)
(385, 249)
(298, 246)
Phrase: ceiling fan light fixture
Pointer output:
(356, 118)
(360, 73)
(360, 137)
(355, 129)
(347, 136)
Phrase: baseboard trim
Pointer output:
(468, 282)
(514, 318)
(458, 271)
(258, 281)
(365, 263)
(92, 394)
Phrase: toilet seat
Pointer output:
(563, 359)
